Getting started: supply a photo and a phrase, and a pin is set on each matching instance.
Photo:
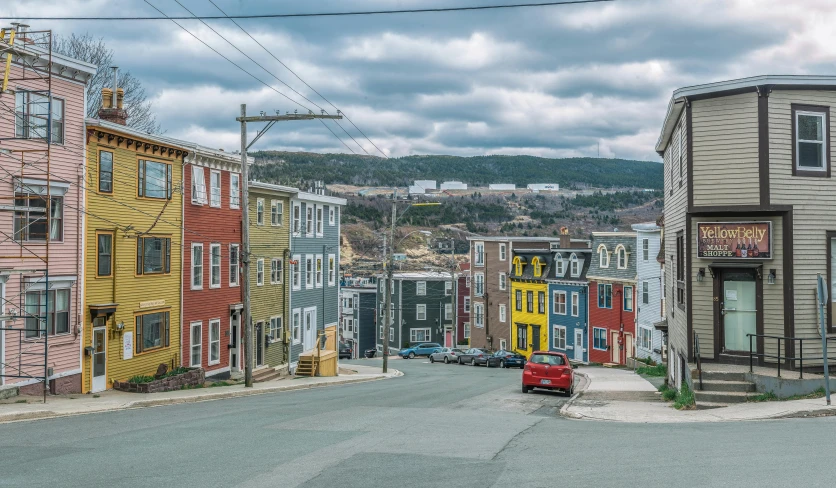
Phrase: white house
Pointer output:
(650, 342)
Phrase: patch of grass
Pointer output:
(22, 401)
(659, 370)
(772, 397)
(646, 361)
(685, 398)
(668, 394)
(140, 378)
(96, 396)
(763, 397)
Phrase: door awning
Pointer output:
(735, 264)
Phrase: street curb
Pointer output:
(564, 410)
(48, 414)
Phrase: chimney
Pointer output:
(112, 110)
(565, 240)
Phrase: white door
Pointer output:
(310, 329)
(578, 345)
(99, 359)
(234, 341)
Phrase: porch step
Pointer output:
(710, 405)
(722, 396)
(265, 374)
(718, 375)
(306, 366)
(717, 385)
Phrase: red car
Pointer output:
(549, 370)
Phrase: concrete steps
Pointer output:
(265, 374)
(722, 385)
(721, 388)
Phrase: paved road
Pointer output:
(439, 425)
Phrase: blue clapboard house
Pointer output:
(568, 303)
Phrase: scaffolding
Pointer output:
(25, 167)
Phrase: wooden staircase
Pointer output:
(307, 365)
(266, 374)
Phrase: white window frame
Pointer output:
(259, 272)
(448, 311)
(479, 315)
(556, 308)
(479, 254)
(503, 315)
(503, 252)
(309, 220)
(320, 221)
(391, 334)
(646, 249)
(466, 305)
(823, 142)
(558, 331)
(603, 256)
(621, 251)
(276, 213)
(420, 288)
(276, 328)
(381, 332)
(479, 290)
(297, 220)
(297, 325)
(503, 281)
(234, 274)
(214, 339)
(467, 330)
(276, 271)
(332, 269)
(198, 186)
(234, 190)
(197, 268)
(309, 272)
(212, 268)
(645, 292)
(259, 211)
(576, 304)
(215, 198)
(296, 270)
(319, 269)
(195, 345)
(448, 288)
(641, 340)
(574, 266)
(421, 311)
(624, 299)
(413, 334)
(332, 213)
(559, 265)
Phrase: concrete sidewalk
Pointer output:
(65, 405)
(618, 395)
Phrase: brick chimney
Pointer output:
(112, 110)
(565, 239)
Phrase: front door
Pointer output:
(615, 348)
(259, 344)
(448, 338)
(310, 329)
(233, 342)
(628, 345)
(738, 309)
(535, 338)
(99, 359)
(579, 345)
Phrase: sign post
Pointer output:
(822, 296)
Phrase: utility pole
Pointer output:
(453, 295)
(389, 276)
(246, 316)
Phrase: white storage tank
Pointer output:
(453, 185)
(426, 184)
(502, 186)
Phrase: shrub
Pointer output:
(685, 398)
(140, 379)
(659, 370)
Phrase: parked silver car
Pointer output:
(446, 354)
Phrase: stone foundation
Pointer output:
(64, 385)
(192, 378)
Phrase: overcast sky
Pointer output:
(548, 81)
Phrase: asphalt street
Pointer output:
(437, 426)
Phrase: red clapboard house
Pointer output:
(212, 300)
(612, 297)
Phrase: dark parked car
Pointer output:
(474, 356)
(345, 350)
(549, 370)
(423, 349)
(506, 359)
(370, 353)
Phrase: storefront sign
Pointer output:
(152, 303)
(734, 240)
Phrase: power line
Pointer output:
(335, 14)
(303, 81)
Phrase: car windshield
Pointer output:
(547, 359)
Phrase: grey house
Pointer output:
(358, 318)
(421, 311)
(314, 269)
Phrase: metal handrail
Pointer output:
(698, 356)
(779, 357)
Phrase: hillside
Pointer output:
(300, 168)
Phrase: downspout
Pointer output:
(182, 242)
(79, 256)
(286, 296)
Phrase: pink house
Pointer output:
(29, 247)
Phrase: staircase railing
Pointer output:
(790, 359)
(698, 357)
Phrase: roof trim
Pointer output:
(313, 197)
(271, 187)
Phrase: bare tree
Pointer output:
(95, 51)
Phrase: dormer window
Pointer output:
(621, 254)
(559, 265)
(603, 256)
(538, 267)
(518, 264)
(810, 145)
(575, 266)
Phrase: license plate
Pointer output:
(545, 382)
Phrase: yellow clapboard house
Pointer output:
(132, 262)
(529, 301)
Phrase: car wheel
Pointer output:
(525, 389)
(502, 363)
(473, 362)
(432, 360)
(446, 360)
(411, 355)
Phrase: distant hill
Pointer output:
(297, 168)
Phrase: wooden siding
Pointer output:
(649, 272)
(124, 208)
(269, 242)
(813, 201)
(65, 258)
(517, 317)
(208, 225)
(676, 208)
(567, 320)
(610, 319)
(725, 145)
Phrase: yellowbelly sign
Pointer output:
(734, 240)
